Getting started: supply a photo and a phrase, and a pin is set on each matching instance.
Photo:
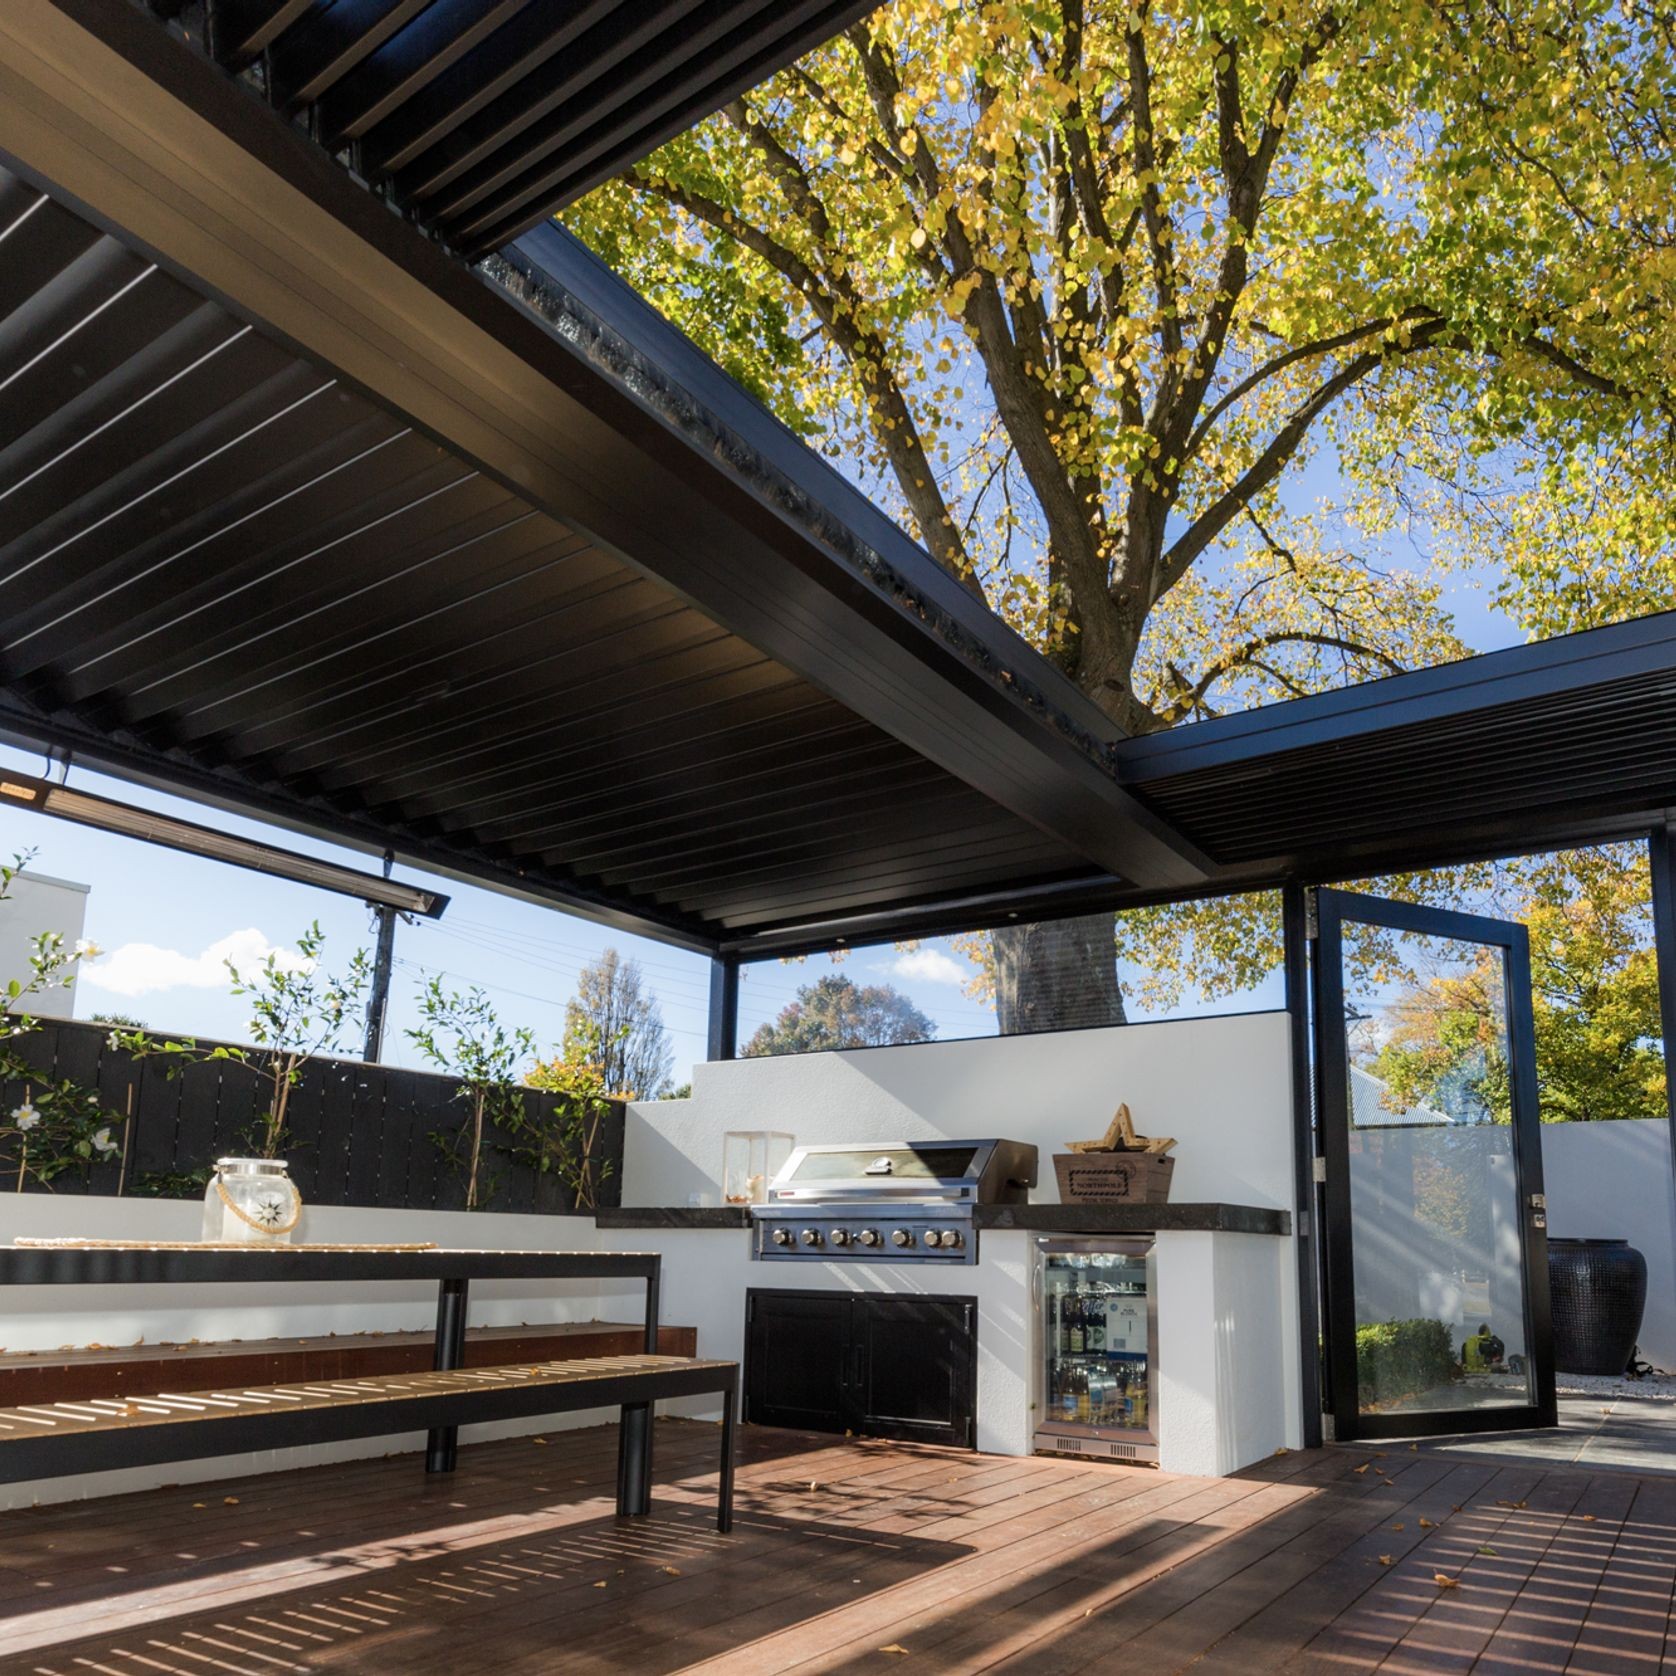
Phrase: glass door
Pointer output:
(1098, 1348)
(1436, 1254)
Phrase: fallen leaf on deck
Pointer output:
(229, 1501)
(1385, 1559)
(200, 1504)
(1489, 1552)
(1283, 1450)
(673, 1570)
(599, 1585)
(1445, 1581)
(813, 1484)
(1427, 1525)
(1588, 1518)
(896, 1648)
(538, 1440)
(1364, 1466)
(1413, 1447)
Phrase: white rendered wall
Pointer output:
(1221, 1086)
(1228, 1350)
(1613, 1181)
(38, 902)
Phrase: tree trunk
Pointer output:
(1057, 975)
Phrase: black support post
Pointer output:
(634, 1460)
(1661, 857)
(1294, 909)
(724, 1007)
(442, 1444)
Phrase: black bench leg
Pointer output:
(724, 1484)
(634, 1460)
(442, 1444)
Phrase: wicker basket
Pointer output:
(1113, 1178)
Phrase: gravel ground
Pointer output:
(1661, 1387)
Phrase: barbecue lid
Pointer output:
(985, 1172)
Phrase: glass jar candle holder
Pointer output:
(251, 1201)
(751, 1158)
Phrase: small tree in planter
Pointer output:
(59, 1125)
(462, 1036)
(563, 1142)
(297, 1012)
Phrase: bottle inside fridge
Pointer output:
(1097, 1343)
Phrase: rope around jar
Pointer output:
(250, 1222)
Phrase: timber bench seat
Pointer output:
(44, 1440)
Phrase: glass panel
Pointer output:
(1435, 1221)
(1095, 1340)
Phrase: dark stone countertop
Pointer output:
(673, 1216)
(1038, 1219)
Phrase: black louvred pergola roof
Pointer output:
(300, 513)
(480, 117)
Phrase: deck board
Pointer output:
(843, 1548)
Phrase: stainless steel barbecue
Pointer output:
(905, 1201)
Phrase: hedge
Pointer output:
(1396, 1359)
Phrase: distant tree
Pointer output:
(1595, 999)
(834, 1012)
(123, 1021)
(612, 1021)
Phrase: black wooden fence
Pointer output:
(355, 1134)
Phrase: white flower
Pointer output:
(25, 1117)
(113, 1041)
(103, 1143)
(86, 949)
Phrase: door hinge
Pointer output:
(1319, 1170)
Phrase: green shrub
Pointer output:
(1396, 1359)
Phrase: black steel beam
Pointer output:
(1661, 856)
(780, 550)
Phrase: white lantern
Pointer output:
(251, 1201)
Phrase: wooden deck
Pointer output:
(851, 1557)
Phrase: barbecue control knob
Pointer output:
(902, 1236)
(811, 1236)
(840, 1236)
(782, 1236)
(948, 1237)
(868, 1236)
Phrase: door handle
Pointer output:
(858, 1367)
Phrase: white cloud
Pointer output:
(930, 966)
(141, 968)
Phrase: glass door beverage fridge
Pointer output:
(1097, 1349)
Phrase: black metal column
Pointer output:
(724, 1007)
(442, 1444)
(1661, 856)
(634, 1460)
(650, 1341)
(1294, 911)
(724, 1484)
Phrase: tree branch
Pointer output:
(838, 309)
(1268, 465)
(1248, 651)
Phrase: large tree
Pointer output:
(1084, 291)
(836, 1012)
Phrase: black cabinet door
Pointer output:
(797, 1359)
(879, 1366)
(913, 1368)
